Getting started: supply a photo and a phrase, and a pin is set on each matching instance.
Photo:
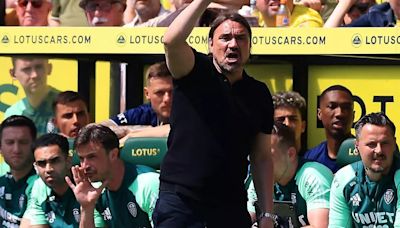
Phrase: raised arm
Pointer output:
(178, 53)
(262, 170)
(336, 18)
(86, 195)
(314, 186)
(339, 212)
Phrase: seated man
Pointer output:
(104, 12)
(290, 109)
(365, 193)
(305, 184)
(17, 134)
(158, 91)
(32, 74)
(52, 202)
(131, 193)
(70, 113)
(336, 112)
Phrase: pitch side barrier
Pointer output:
(307, 60)
(270, 41)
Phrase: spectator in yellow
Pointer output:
(300, 16)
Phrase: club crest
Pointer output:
(132, 209)
(76, 214)
(388, 196)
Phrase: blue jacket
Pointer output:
(377, 16)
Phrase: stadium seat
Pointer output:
(347, 153)
(148, 151)
(75, 158)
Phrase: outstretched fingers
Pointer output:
(69, 182)
(78, 174)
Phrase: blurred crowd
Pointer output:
(160, 13)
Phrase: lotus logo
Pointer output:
(5, 39)
(356, 40)
(121, 39)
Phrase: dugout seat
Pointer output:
(72, 152)
(347, 153)
(148, 151)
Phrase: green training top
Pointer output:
(308, 190)
(356, 201)
(45, 207)
(41, 116)
(14, 196)
(133, 203)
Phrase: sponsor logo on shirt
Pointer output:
(293, 197)
(388, 196)
(132, 209)
(8, 217)
(21, 201)
(374, 218)
(106, 214)
(122, 119)
(2, 192)
(356, 199)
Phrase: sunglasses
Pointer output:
(35, 3)
(104, 6)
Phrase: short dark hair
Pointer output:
(52, 139)
(286, 136)
(97, 133)
(290, 99)
(336, 88)
(375, 118)
(232, 16)
(159, 69)
(18, 121)
(67, 97)
(26, 58)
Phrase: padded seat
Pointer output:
(347, 153)
(72, 152)
(148, 151)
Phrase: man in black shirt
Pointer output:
(219, 116)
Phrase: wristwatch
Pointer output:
(268, 215)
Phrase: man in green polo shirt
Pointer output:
(52, 203)
(301, 184)
(32, 72)
(17, 134)
(365, 193)
(131, 193)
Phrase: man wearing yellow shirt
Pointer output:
(301, 16)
